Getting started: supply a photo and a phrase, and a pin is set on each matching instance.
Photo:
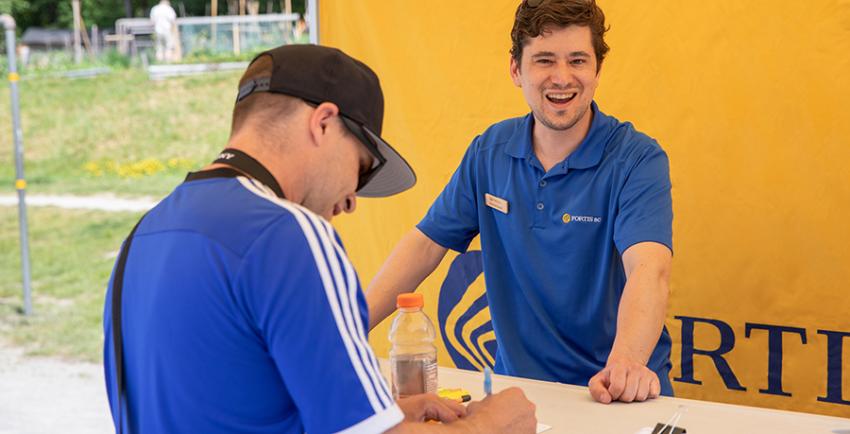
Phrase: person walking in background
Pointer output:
(165, 31)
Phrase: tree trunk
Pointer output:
(128, 8)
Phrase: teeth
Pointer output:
(560, 98)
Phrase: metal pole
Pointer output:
(20, 182)
(313, 20)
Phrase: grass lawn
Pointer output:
(72, 253)
(120, 133)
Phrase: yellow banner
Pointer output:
(749, 99)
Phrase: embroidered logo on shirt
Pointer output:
(566, 218)
(496, 203)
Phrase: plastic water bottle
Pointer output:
(413, 356)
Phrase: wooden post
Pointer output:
(213, 26)
(237, 42)
(85, 36)
(288, 28)
(78, 49)
(237, 49)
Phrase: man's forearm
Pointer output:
(640, 320)
(413, 259)
(643, 306)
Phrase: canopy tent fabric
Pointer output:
(747, 98)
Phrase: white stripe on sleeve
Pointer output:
(360, 332)
(349, 341)
(347, 308)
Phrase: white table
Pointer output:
(570, 409)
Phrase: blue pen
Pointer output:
(488, 382)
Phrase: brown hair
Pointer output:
(266, 107)
(535, 17)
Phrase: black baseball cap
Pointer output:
(318, 74)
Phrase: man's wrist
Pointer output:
(623, 357)
(476, 424)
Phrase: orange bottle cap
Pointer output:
(410, 300)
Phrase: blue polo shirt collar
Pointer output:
(588, 154)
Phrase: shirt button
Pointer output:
(540, 206)
(543, 183)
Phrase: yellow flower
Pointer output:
(145, 167)
(180, 163)
(93, 168)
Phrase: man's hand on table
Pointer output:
(624, 380)
(508, 411)
(421, 408)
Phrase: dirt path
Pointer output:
(103, 202)
(46, 395)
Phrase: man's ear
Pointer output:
(320, 120)
(515, 73)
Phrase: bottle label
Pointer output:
(412, 375)
(430, 369)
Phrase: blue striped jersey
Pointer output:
(242, 313)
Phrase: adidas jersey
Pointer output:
(242, 313)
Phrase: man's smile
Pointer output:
(560, 98)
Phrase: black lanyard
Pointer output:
(241, 164)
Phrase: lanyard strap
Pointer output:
(117, 341)
(249, 166)
(242, 164)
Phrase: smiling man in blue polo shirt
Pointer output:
(575, 216)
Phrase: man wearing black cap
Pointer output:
(233, 306)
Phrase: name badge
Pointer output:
(497, 203)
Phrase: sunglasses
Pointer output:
(369, 140)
